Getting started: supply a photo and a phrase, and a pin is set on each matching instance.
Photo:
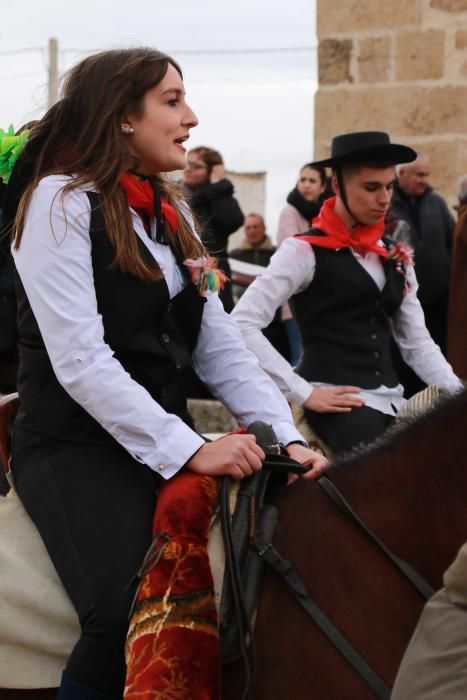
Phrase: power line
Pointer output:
(180, 52)
(29, 49)
(217, 52)
(284, 49)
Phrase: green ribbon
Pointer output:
(11, 147)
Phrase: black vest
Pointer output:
(344, 321)
(151, 335)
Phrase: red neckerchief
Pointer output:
(363, 239)
(140, 196)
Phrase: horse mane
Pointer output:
(449, 408)
(413, 481)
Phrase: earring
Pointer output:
(127, 129)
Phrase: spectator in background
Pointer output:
(303, 204)
(247, 263)
(210, 196)
(457, 325)
(432, 226)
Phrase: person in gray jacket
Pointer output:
(432, 226)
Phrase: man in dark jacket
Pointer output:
(432, 226)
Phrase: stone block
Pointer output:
(409, 111)
(449, 5)
(364, 15)
(334, 61)
(461, 39)
(374, 56)
(420, 55)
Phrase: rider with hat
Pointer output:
(352, 290)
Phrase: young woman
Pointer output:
(109, 319)
(303, 202)
(210, 195)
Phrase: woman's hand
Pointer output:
(316, 461)
(217, 173)
(235, 455)
(333, 400)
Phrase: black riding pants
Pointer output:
(93, 507)
(342, 431)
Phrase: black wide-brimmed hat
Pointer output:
(365, 147)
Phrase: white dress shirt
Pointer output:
(55, 267)
(291, 270)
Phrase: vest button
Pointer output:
(377, 374)
(178, 364)
(169, 307)
(373, 319)
(374, 336)
(376, 353)
(166, 337)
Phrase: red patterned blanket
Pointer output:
(173, 650)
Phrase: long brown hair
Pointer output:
(81, 136)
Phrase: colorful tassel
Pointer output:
(205, 275)
(401, 253)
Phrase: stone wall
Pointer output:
(398, 66)
(250, 191)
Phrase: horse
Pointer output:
(410, 490)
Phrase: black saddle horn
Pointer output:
(277, 459)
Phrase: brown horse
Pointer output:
(411, 491)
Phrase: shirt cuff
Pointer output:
(455, 386)
(286, 432)
(299, 391)
(178, 448)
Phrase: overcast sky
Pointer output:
(254, 107)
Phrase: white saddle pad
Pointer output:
(38, 624)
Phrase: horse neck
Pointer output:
(411, 490)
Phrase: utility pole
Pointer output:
(53, 72)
